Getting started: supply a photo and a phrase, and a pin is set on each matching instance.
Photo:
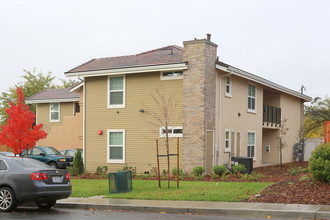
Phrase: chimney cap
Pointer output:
(208, 37)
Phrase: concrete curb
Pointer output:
(253, 210)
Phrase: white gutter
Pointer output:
(263, 81)
(142, 69)
(76, 87)
(51, 100)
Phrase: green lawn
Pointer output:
(189, 190)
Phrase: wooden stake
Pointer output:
(178, 169)
(158, 165)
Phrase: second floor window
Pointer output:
(228, 86)
(55, 112)
(252, 94)
(116, 97)
(172, 131)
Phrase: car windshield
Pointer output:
(51, 151)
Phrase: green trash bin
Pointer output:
(120, 181)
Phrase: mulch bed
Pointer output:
(299, 189)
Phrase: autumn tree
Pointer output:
(315, 116)
(19, 132)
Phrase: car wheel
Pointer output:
(53, 164)
(7, 200)
(46, 205)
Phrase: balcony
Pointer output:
(271, 116)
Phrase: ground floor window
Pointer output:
(116, 146)
(251, 144)
(227, 140)
(172, 131)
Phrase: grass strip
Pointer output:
(189, 190)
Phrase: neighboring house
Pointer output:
(221, 111)
(59, 112)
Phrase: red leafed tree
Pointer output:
(19, 132)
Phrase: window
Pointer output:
(54, 112)
(3, 165)
(251, 145)
(171, 75)
(172, 131)
(228, 86)
(227, 141)
(252, 93)
(116, 146)
(116, 97)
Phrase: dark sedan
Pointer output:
(25, 180)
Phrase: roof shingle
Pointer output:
(162, 56)
(54, 94)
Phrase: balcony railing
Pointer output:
(271, 116)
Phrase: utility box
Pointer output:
(246, 161)
(120, 181)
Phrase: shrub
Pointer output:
(101, 170)
(78, 164)
(319, 163)
(198, 171)
(226, 177)
(133, 169)
(239, 169)
(294, 171)
(215, 176)
(174, 172)
(220, 170)
(252, 177)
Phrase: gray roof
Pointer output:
(162, 56)
(53, 95)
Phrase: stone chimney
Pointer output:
(199, 88)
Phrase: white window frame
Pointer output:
(50, 112)
(124, 92)
(162, 77)
(161, 134)
(228, 149)
(228, 85)
(255, 99)
(108, 146)
(255, 143)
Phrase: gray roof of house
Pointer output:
(53, 95)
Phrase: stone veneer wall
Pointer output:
(199, 87)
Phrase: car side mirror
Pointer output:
(42, 154)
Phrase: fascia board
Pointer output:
(77, 87)
(263, 81)
(168, 67)
(51, 100)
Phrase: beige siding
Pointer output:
(66, 109)
(270, 138)
(140, 135)
(230, 119)
(291, 108)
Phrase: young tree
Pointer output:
(19, 132)
(162, 115)
(281, 139)
(315, 116)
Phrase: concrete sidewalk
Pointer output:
(238, 209)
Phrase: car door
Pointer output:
(39, 154)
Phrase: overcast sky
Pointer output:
(285, 41)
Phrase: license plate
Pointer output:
(56, 179)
